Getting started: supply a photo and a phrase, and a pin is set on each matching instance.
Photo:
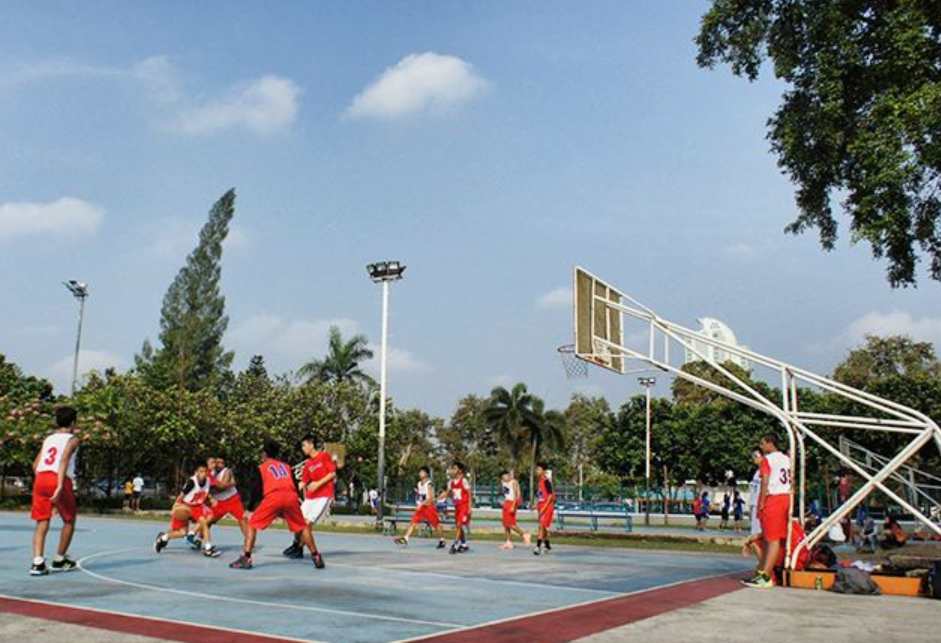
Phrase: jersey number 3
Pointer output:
(51, 455)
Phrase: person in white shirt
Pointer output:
(55, 474)
(137, 485)
(754, 490)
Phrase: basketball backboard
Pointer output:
(597, 323)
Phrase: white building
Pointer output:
(715, 329)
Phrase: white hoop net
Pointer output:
(575, 368)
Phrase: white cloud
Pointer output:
(262, 106)
(400, 361)
(560, 297)
(426, 82)
(88, 360)
(300, 340)
(67, 216)
(926, 329)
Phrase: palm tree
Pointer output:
(520, 421)
(508, 412)
(342, 361)
(547, 431)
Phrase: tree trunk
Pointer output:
(666, 496)
(581, 479)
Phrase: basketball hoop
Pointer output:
(575, 368)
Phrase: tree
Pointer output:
(545, 430)
(586, 420)
(469, 437)
(342, 362)
(882, 357)
(509, 411)
(193, 319)
(861, 117)
(256, 368)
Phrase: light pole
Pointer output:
(647, 383)
(384, 272)
(80, 291)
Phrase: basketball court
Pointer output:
(370, 592)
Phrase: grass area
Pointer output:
(653, 542)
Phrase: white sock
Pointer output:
(207, 546)
(165, 538)
(59, 558)
(39, 560)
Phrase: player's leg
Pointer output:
(209, 550)
(291, 512)
(180, 517)
(39, 546)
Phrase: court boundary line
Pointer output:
(246, 601)
(576, 606)
(105, 619)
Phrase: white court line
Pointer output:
(473, 579)
(156, 619)
(246, 601)
(509, 619)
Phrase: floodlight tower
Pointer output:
(383, 272)
(80, 291)
(648, 383)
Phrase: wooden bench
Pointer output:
(595, 513)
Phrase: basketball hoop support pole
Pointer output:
(604, 312)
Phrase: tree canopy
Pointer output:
(860, 119)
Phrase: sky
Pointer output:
(490, 146)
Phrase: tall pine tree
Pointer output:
(193, 319)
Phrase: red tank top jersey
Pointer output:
(276, 476)
(318, 468)
(544, 493)
(460, 494)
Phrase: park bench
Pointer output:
(593, 514)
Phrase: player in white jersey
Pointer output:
(191, 506)
(55, 474)
(425, 509)
(225, 495)
(774, 509)
(511, 502)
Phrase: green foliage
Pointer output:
(883, 357)
(193, 319)
(343, 361)
(861, 116)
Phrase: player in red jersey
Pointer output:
(55, 470)
(545, 506)
(191, 506)
(225, 495)
(774, 509)
(755, 544)
(279, 501)
(425, 509)
(460, 493)
(317, 487)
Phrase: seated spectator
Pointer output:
(756, 545)
(893, 536)
(868, 538)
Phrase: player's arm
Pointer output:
(765, 478)
(36, 461)
(227, 481)
(316, 484)
(470, 497)
(64, 465)
(429, 500)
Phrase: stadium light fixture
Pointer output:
(384, 272)
(80, 291)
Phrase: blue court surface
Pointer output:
(370, 592)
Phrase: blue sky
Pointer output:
(491, 146)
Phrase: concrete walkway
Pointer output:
(788, 616)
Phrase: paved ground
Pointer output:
(371, 591)
(788, 616)
(732, 618)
